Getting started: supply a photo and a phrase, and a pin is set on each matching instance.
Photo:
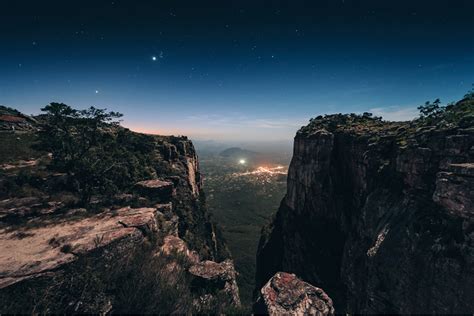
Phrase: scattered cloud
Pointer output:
(237, 126)
(242, 120)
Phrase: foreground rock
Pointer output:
(156, 189)
(379, 214)
(31, 252)
(285, 294)
(216, 278)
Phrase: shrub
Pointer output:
(431, 111)
(98, 155)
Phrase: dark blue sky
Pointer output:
(235, 69)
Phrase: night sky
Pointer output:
(237, 70)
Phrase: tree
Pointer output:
(470, 94)
(83, 145)
(431, 111)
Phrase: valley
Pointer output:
(243, 198)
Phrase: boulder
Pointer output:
(285, 294)
(214, 278)
(50, 244)
(156, 189)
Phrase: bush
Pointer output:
(470, 94)
(98, 155)
(454, 114)
(431, 111)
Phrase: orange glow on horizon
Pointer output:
(168, 131)
(152, 131)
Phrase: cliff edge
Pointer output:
(380, 214)
(148, 246)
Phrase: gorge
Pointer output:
(377, 218)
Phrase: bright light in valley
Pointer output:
(263, 171)
(242, 161)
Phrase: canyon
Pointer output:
(378, 217)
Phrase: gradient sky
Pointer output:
(235, 70)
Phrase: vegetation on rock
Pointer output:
(71, 168)
(378, 214)
(88, 145)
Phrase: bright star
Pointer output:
(153, 58)
(242, 161)
(96, 91)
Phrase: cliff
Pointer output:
(149, 248)
(380, 214)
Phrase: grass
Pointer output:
(128, 280)
(19, 146)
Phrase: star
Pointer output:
(153, 58)
(96, 91)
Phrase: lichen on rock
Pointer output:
(285, 294)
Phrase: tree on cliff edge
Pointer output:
(83, 145)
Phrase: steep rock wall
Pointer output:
(379, 215)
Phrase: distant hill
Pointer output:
(13, 120)
(238, 152)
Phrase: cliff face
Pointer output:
(178, 156)
(379, 215)
(150, 249)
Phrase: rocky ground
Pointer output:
(151, 248)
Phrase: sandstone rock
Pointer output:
(156, 189)
(174, 245)
(285, 294)
(12, 120)
(28, 207)
(49, 245)
(214, 278)
(19, 202)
